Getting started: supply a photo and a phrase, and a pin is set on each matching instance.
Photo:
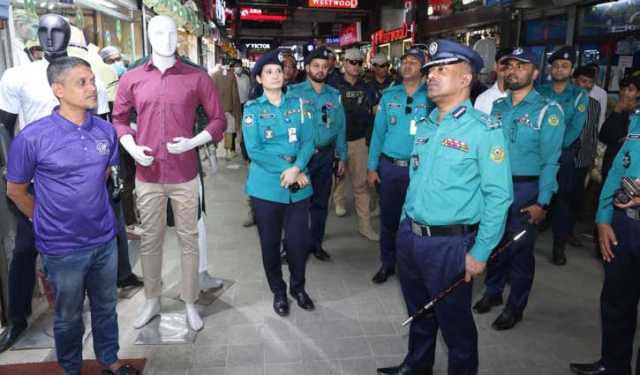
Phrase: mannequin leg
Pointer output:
(152, 205)
(184, 201)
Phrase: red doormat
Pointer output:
(89, 367)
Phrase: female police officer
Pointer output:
(278, 135)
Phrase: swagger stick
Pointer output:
(426, 308)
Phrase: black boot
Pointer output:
(485, 304)
(596, 368)
(558, 258)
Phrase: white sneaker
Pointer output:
(369, 233)
(340, 211)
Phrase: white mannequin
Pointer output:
(164, 39)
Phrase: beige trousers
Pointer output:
(152, 205)
(356, 170)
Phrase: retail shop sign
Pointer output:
(439, 8)
(255, 14)
(383, 36)
(258, 46)
(350, 34)
(346, 4)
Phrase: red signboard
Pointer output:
(348, 4)
(255, 14)
(383, 36)
(440, 8)
(350, 34)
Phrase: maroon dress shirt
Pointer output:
(166, 104)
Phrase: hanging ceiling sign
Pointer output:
(260, 46)
(221, 16)
(346, 4)
(350, 34)
(255, 14)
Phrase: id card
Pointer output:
(293, 136)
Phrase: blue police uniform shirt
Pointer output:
(460, 174)
(574, 101)
(326, 102)
(533, 130)
(276, 138)
(67, 163)
(394, 129)
(626, 164)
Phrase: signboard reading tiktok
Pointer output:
(346, 4)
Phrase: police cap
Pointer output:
(519, 54)
(416, 52)
(271, 57)
(443, 52)
(563, 53)
(318, 53)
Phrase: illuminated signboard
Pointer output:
(255, 14)
(348, 4)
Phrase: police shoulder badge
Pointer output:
(497, 154)
(248, 119)
(582, 107)
(554, 120)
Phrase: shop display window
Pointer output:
(541, 31)
(610, 17)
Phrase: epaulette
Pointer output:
(489, 122)
(249, 103)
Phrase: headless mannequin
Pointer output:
(163, 38)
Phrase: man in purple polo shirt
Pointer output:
(68, 156)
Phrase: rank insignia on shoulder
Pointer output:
(497, 154)
(459, 112)
(248, 119)
(582, 107)
(554, 120)
(633, 136)
(455, 144)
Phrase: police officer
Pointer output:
(618, 228)
(400, 109)
(533, 126)
(574, 102)
(382, 80)
(330, 138)
(357, 100)
(278, 136)
(455, 212)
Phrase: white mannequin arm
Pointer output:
(136, 152)
(182, 144)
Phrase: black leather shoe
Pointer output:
(558, 258)
(11, 335)
(382, 275)
(130, 281)
(506, 320)
(486, 303)
(574, 241)
(320, 254)
(404, 370)
(281, 305)
(596, 368)
(304, 301)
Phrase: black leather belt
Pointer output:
(525, 178)
(397, 162)
(326, 148)
(290, 159)
(442, 230)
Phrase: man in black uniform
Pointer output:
(357, 101)
(382, 80)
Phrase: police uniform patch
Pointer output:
(554, 120)
(248, 119)
(582, 107)
(455, 144)
(433, 48)
(102, 147)
(497, 154)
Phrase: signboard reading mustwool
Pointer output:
(350, 4)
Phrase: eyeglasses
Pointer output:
(324, 113)
(355, 62)
(409, 108)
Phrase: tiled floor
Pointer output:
(357, 325)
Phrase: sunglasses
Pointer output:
(409, 108)
(355, 62)
(324, 113)
(381, 66)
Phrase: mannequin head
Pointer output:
(54, 33)
(163, 36)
